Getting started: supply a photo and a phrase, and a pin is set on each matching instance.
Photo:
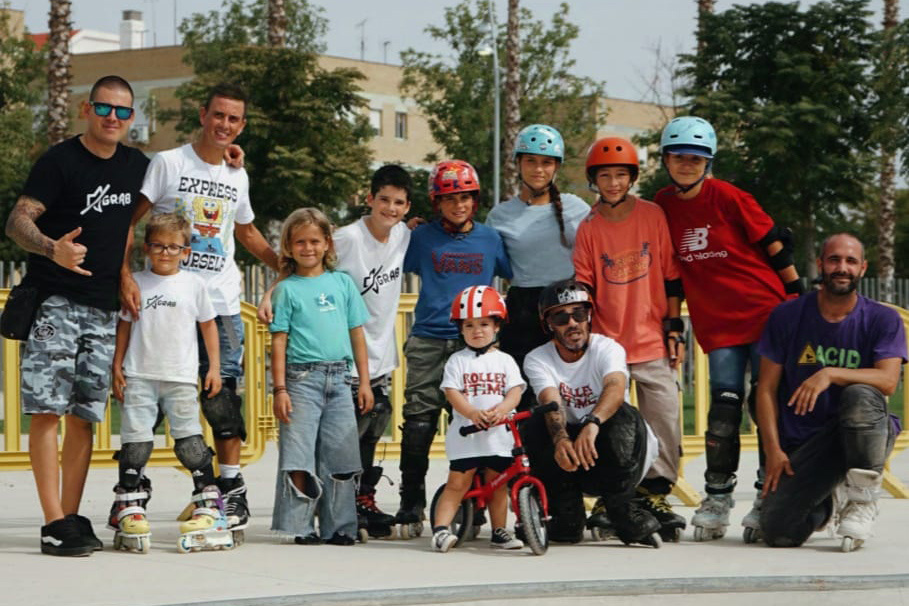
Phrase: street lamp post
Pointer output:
(494, 50)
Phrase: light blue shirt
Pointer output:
(317, 315)
(532, 240)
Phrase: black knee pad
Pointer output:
(416, 440)
(371, 426)
(132, 456)
(722, 437)
(224, 413)
(566, 506)
(196, 456)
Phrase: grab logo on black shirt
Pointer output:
(99, 198)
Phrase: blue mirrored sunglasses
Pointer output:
(103, 110)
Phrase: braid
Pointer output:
(555, 198)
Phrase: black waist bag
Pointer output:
(20, 311)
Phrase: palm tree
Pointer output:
(277, 23)
(512, 96)
(886, 219)
(705, 7)
(58, 71)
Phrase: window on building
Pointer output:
(400, 125)
(375, 120)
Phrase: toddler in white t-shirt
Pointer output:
(483, 385)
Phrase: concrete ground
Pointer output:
(267, 570)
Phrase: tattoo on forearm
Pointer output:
(555, 423)
(21, 228)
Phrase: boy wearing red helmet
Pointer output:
(449, 254)
(483, 385)
(624, 253)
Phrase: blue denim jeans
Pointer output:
(230, 346)
(727, 366)
(321, 441)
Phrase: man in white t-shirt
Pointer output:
(371, 251)
(194, 180)
(595, 443)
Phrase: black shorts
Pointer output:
(493, 462)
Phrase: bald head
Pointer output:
(836, 241)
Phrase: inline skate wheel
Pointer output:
(656, 541)
(415, 529)
(183, 545)
(144, 545)
(362, 535)
(599, 533)
(239, 537)
(118, 542)
(751, 535)
(850, 544)
(700, 534)
(671, 535)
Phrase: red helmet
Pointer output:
(478, 302)
(452, 177)
(612, 151)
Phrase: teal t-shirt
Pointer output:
(317, 315)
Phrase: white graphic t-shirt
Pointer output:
(579, 383)
(375, 268)
(213, 198)
(484, 380)
(162, 342)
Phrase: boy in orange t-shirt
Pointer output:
(624, 253)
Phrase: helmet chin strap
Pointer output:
(481, 350)
(454, 228)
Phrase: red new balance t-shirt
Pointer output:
(729, 284)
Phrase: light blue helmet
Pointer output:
(689, 135)
(541, 140)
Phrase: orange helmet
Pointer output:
(478, 302)
(612, 151)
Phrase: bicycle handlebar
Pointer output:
(539, 410)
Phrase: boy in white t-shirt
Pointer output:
(155, 367)
(371, 251)
(483, 385)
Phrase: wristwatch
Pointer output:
(591, 418)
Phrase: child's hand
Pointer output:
(477, 417)
(118, 383)
(212, 382)
(365, 399)
(494, 416)
(234, 156)
(264, 312)
(282, 407)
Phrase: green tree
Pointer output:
(788, 93)
(306, 136)
(21, 71)
(455, 92)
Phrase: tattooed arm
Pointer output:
(21, 228)
(611, 398)
(565, 455)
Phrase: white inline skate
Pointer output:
(857, 519)
(128, 520)
(207, 529)
(712, 517)
(752, 522)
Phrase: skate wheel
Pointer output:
(404, 531)
(118, 542)
(362, 535)
(751, 535)
(415, 529)
(849, 544)
(183, 545)
(599, 533)
(239, 537)
(700, 534)
(671, 535)
(656, 541)
(144, 545)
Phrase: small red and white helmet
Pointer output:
(478, 302)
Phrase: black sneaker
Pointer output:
(62, 538)
(235, 506)
(339, 538)
(310, 539)
(86, 531)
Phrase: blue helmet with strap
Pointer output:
(689, 135)
(539, 139)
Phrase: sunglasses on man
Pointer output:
(103, 110)
(579, 314)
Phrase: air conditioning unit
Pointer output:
(138, 134)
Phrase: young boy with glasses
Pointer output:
(155, 367)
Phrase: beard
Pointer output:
(839, 289)
(569, 338)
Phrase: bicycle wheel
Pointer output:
(530, 511)
(461, 524)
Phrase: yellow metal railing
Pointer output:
(261, 425)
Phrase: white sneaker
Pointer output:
(442, 540)
(502, 539)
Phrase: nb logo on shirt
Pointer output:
(693, 239)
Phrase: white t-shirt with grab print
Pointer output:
(579, 383)
(213, 198)
(484, 380)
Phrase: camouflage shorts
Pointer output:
(67, 360)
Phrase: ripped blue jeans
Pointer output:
(321, 441)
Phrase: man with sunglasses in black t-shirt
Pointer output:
(72, 217)
(595, 443)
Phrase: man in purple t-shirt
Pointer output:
(829, 359)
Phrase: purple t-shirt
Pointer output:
(802, 341)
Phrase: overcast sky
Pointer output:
(617, 39)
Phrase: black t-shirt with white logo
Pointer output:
(79, 189)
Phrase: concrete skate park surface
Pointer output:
(269, 571)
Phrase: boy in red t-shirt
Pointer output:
(624, 254)
(736, 266)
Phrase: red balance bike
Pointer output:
(528, 496)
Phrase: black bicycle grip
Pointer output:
(469, 429)
(544, 408)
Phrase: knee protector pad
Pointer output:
(196, 456)
(223, 411)
(418, 434)
(371, 426)
(566, 505)
(722, 437)
(133, 456)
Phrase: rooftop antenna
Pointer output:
(385, 51)
(362, 26)
(154, 24)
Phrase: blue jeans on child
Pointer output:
(321, 441)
